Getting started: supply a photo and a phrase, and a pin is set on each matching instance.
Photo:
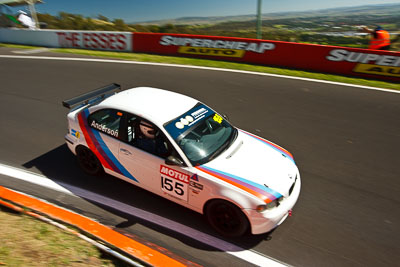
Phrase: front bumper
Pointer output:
(263, 222)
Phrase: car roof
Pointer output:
(156, 105)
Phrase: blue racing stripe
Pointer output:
(120, 169)
(243, 180)
(104, 150)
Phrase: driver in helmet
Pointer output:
(150, 140)
(147, 129)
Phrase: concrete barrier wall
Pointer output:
(382, 65)
(106, 41)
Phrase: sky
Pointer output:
(148, 10)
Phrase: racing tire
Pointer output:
(88, 161)
(226, 218)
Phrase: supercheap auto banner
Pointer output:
(384, 65)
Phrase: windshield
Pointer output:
(201, 133)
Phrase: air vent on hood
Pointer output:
(235, 150)
(292, 187)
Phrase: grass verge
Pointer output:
(221, 64)
(229, 65)
(26, 241)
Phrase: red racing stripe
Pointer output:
(92, 146)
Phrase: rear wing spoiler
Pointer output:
(92, 96)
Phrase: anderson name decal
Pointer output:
(104, 129)
(367, 62)
(208, 47)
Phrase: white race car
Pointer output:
(181, 149)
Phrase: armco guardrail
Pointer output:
(383, 65)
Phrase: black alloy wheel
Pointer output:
(88, 161)
(226, 218)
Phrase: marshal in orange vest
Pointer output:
(380, 39)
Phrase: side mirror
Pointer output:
(171, 160)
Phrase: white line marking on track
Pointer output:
(199, 67)
(31, 51)
(31, 177)
(250, 256)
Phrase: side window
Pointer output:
(106, 121)
(131, 128)
(146, 136)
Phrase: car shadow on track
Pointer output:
(60, 166)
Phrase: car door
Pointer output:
(171, 182)
(102, 129)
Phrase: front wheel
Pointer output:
(226, 218)
(88, 161)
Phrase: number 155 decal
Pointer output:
(173, 187)
(174, 183)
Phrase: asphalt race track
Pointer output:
(345, 140)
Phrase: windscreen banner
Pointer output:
(384, 65)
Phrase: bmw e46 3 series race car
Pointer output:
(185, 152)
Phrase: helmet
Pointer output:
(147, 129)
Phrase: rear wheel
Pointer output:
(226, 218)
(88, 161)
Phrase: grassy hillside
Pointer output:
(338, 26)
(372, 10)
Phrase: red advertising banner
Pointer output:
(384, 65)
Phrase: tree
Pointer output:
(167, 28)
(101, 17)
(120, 25)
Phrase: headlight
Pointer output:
(270, 205)
(273, 204)
(261, 208)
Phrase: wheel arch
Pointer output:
(80, 146)
(240, 199)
